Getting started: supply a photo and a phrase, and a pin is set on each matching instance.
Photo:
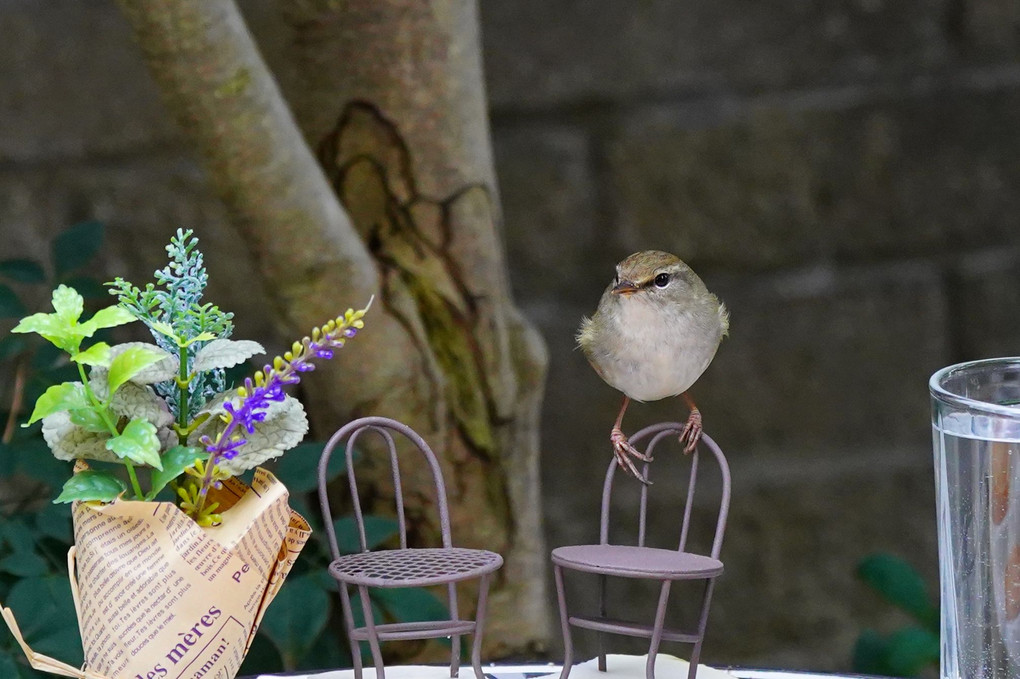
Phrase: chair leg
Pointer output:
(345, 605)
(702, 624)
(455, 639)
(476, 645)
(600, 637)
(568, 645)
(660, 618)
(373, 636)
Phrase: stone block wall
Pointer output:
(843, 174)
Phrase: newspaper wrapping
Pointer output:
(159, 597)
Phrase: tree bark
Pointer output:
(390, 94)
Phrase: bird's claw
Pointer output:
(691, 433)
(624, 451)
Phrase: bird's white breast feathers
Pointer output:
(650, 355)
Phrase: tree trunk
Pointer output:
(392, 99)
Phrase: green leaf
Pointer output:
(47, 618)
(76, 246)
(22, 271)
(18, 536)
(263, 658)
(59, 397)
(165, 369)
(68, 442)
(202, 337)
(60, 327)
(8, 665)
(33, 458)
(109, 317)
(138, 443)
(298, 468)
(358, 613)
(296, 617)
(129, 363)
(92, 485)
(300, 504)
(325, 652)
(68, 304)
(378, 529)
(54, 522)
(163, 329)
(136, 401)
(49, 470)
(24, 565)
(52, 328)
(412, 604)
(897, 581)
(97, 354)
(910, 650)
(175, 461)
(91, 419)
(870, 653)
(10, 304)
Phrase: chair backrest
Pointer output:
(646, 440)
(385, 428)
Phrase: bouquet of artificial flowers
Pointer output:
(172, 588)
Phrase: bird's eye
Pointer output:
(662, 280)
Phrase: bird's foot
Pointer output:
(624, 452)
(691, 433)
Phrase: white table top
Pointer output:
(618, 666)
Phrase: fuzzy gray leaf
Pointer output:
(133, 401)
(68, 441)
(224, 353)
(284, 427)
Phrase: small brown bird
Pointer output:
(656, 329)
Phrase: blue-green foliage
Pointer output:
(178, 305)
(908, 651)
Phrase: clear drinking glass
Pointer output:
(976, 440)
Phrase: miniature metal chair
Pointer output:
(406, 566)
(643, 562)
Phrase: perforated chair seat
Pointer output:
(637, 562)
(414, 567)
(407, 566)
(641, 561)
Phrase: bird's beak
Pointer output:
(624, 288)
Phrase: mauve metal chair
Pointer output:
(406, 566)
(649, 563)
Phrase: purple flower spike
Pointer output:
(258, 395)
